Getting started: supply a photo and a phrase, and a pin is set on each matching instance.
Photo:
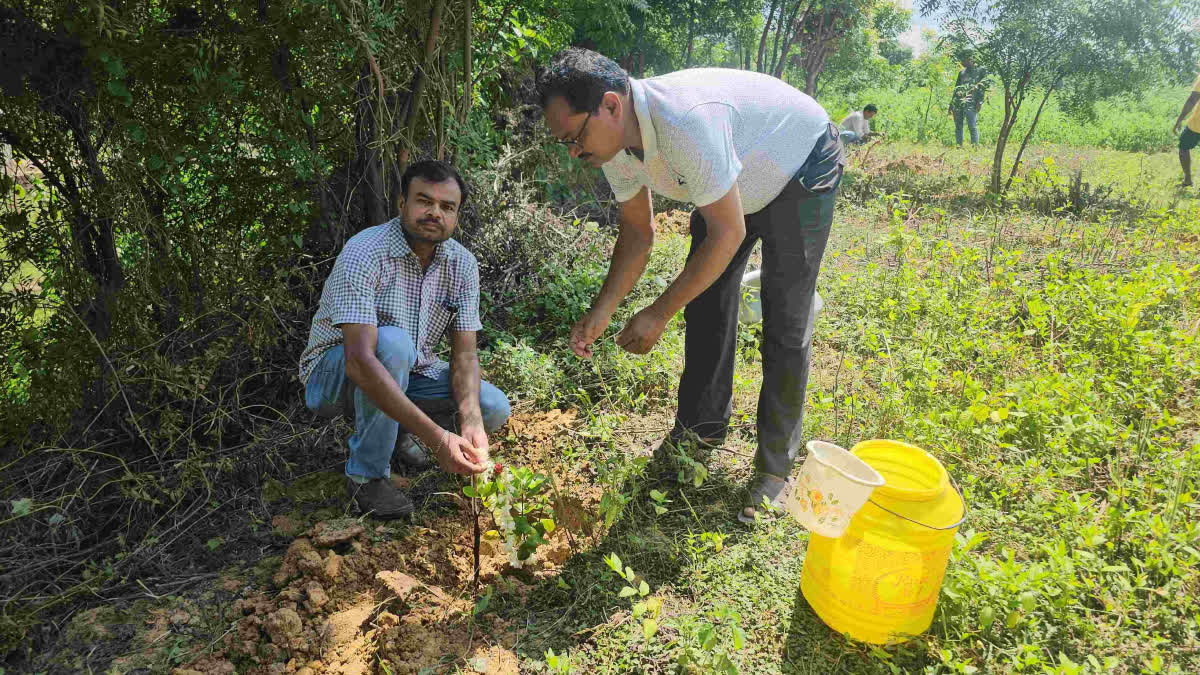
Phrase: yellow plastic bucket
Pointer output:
(879, 581)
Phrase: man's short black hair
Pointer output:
(870, 107)
(581, 77)
(434, 171)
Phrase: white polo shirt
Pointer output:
(705, 128)
(855, 122)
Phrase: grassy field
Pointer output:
(1044, 350)
(1141, 124)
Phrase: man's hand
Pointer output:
(455, 454)
(642, 331)
(586, 330)
(1178, 124)
(477, 437)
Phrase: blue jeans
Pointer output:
(329, 393)
(970, 114)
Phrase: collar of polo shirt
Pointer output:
(645, 122)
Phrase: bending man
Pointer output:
(760, 160)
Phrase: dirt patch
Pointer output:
(675, 220)
(349, 593)
(530, 430)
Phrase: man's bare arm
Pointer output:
(1187, 109)
(632, 252)
(365, 369)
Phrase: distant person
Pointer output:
(760, 160)
(394, 291)
(967, 98)
(856, 128)
(1191, 133)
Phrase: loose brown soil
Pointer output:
(348, 595)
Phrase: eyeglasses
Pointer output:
(575, 141)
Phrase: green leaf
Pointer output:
(114, 66)
(986, 616)
(629, 574)
(644, 588)
(470, 491)
(614, 562)
(739, 637)
(548, 524)
(22, 507)
(649, 628)
(657, 496)
(699, 474)
(117, 89)
(1014, 618)
(628, 591)
(481, 605)
(659, 510)
(1028, 601)
(654, 606)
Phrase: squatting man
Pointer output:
(394, 292)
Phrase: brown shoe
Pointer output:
(379, 498)
(409, 455)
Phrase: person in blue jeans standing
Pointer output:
(394, 291)
(967, 98)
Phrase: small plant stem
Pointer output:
(475, 523)
(689, 505)
(558, 496)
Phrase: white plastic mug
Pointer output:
(831, 487)
(750, 303)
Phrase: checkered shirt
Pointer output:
(378, 280)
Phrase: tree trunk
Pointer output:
(418, 92)
(1010, 118)
(468, 96)
(790, 37)
(641, 44)
(370, 160)
(1028, 135)
(440, 112)
(762, 41)
(923, 129)
(778, 31)
(810, 81)
(691, 33)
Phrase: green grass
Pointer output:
(1050, 360)
(1045, 352)
(1131, 124)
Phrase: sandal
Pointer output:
(764, 486)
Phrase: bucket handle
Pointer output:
(954, 484)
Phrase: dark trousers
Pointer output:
(794, 228)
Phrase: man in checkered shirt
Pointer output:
(393, 292)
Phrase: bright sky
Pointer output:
(912, 36)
